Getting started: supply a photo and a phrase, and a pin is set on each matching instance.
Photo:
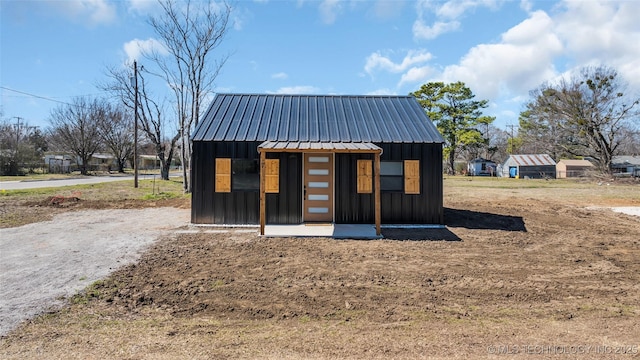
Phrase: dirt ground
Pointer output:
(538, 269)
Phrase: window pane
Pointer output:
(391, 183)
(318, 171)
(318, 197)
(391, 168)
(318, 184)
(245, 175)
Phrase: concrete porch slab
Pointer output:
(336, 231)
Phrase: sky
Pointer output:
(52, 51)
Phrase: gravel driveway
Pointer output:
(42, 263)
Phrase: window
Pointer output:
(245, 175)
(391, 178)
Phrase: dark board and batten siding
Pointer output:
(398, 207)
(236, 124)
(241, 207)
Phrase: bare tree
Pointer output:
(150, 113)
(190, 32)
(588, 113)
(75, 128)
(116, 129)
(21, 146)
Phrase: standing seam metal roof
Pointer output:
(316, 118)
(532, 160)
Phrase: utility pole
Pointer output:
(17, 149)
(511, 142)
(135, 126)
(18, 118)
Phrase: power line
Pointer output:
(38, 96)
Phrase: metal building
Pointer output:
(292, 159)
(534, 166)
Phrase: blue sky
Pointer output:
(53, 51)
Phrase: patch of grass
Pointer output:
(161, 196)
(116, 190)
(92, 291)
(216, 284)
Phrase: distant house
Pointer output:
(58, 163)
(534, 166)
(568, 168)
(292, 159)
(66, 162)
(151, 162)
(481, 167)
(626, 164)
(101, 162)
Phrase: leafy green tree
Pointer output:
(586, 115)
(456, 114)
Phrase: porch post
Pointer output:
(377, 193)
(262, 189)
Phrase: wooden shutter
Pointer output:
(223, 175)
(272, 176)
(412, 176)
(364, 177)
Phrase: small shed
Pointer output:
(534, 166)
(292, 159)
(568, 168)
(481, 167)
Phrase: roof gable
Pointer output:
(575, 162)
(316, 118)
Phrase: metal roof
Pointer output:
(625, 160)
(315, 146)
(316, 119)
(531, 160)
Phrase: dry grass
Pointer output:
(20, 207)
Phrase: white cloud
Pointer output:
(416, 75)
(387, 9)
(279, 76)
(136, 47)
(94, 12)
(422, 31)
(143, 6)
(447, 15)
(377, 61)
(300, 90)
(384, 91)
(520, 62)
(329, 10)
(526, 5)
(603, 32)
